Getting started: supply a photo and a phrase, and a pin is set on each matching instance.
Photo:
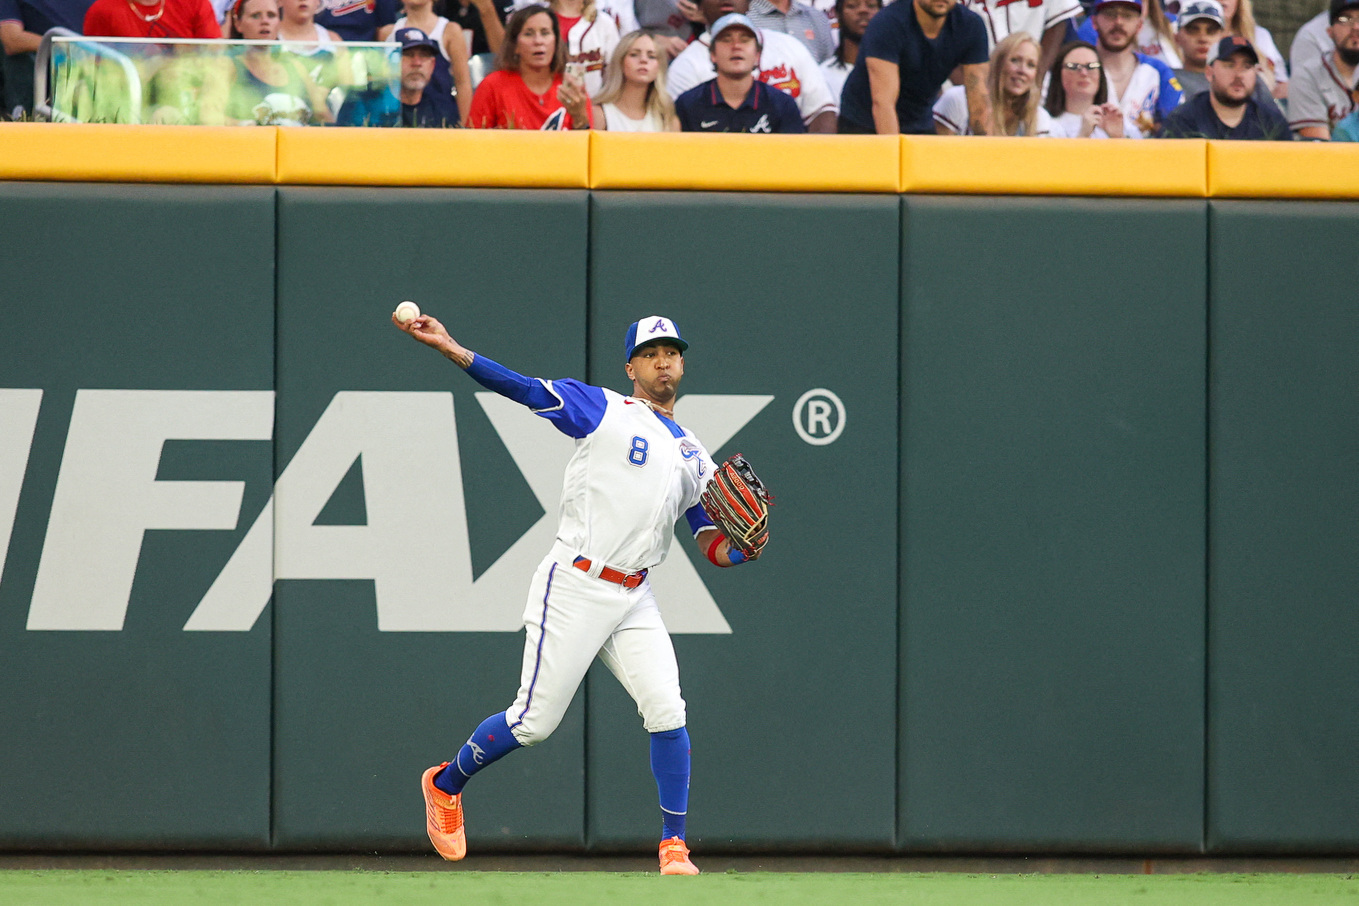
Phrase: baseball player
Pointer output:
(634, 471)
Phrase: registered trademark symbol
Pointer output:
(819, 417)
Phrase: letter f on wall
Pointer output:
(107, 495)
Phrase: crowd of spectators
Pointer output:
(1101, 69)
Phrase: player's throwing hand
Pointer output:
(429, 331)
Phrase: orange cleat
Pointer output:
(675, 858)
(443, 817)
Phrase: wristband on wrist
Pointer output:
(712, 549)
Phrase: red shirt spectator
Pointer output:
(159, 19)
(528, 89)
(503, 101)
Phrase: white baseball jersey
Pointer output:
(950, 111)
(1005, 17)
(1152, 92)
(835, 74)
(1320, 95)
(589, 45)
(785, 64)
(632, 475)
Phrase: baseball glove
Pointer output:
(738, 504)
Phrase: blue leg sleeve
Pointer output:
(491, 742)
(670, 764)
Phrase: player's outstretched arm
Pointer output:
(527, 391)
(429, 331)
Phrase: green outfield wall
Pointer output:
(1064, 548)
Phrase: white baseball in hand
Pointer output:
(407, 311)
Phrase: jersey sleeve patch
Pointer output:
(580, 407)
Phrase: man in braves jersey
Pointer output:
(1044, 19)
(785, 64)
(1142, 87)
(1324, 89)
(633, 473)
(735, 101)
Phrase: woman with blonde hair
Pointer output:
(1013, 86)
(633, 97)
(1240, 16)
(590, 39)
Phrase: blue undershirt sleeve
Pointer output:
(698, 519)
(574, 408)
(510, 384)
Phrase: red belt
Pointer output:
(609, 574)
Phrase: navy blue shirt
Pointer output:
(894, 35)
(765, 109)
(383, 108)
(357, 20)
(1196, 118)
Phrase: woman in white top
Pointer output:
(1240, 16)
(1012, 83)
(452, 72)
(633, 97)
(1078, 95)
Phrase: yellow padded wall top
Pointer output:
(749, 163)
(434, 157)
(110, 153)
(1053, 166)
(603, 160)
(1283, 170)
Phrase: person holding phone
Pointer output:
(530, 88)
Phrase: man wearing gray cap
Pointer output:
(1227, 110)
(736, 101)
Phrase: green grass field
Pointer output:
(94, 887)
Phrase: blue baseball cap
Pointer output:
(410, 38)
(651, 329)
